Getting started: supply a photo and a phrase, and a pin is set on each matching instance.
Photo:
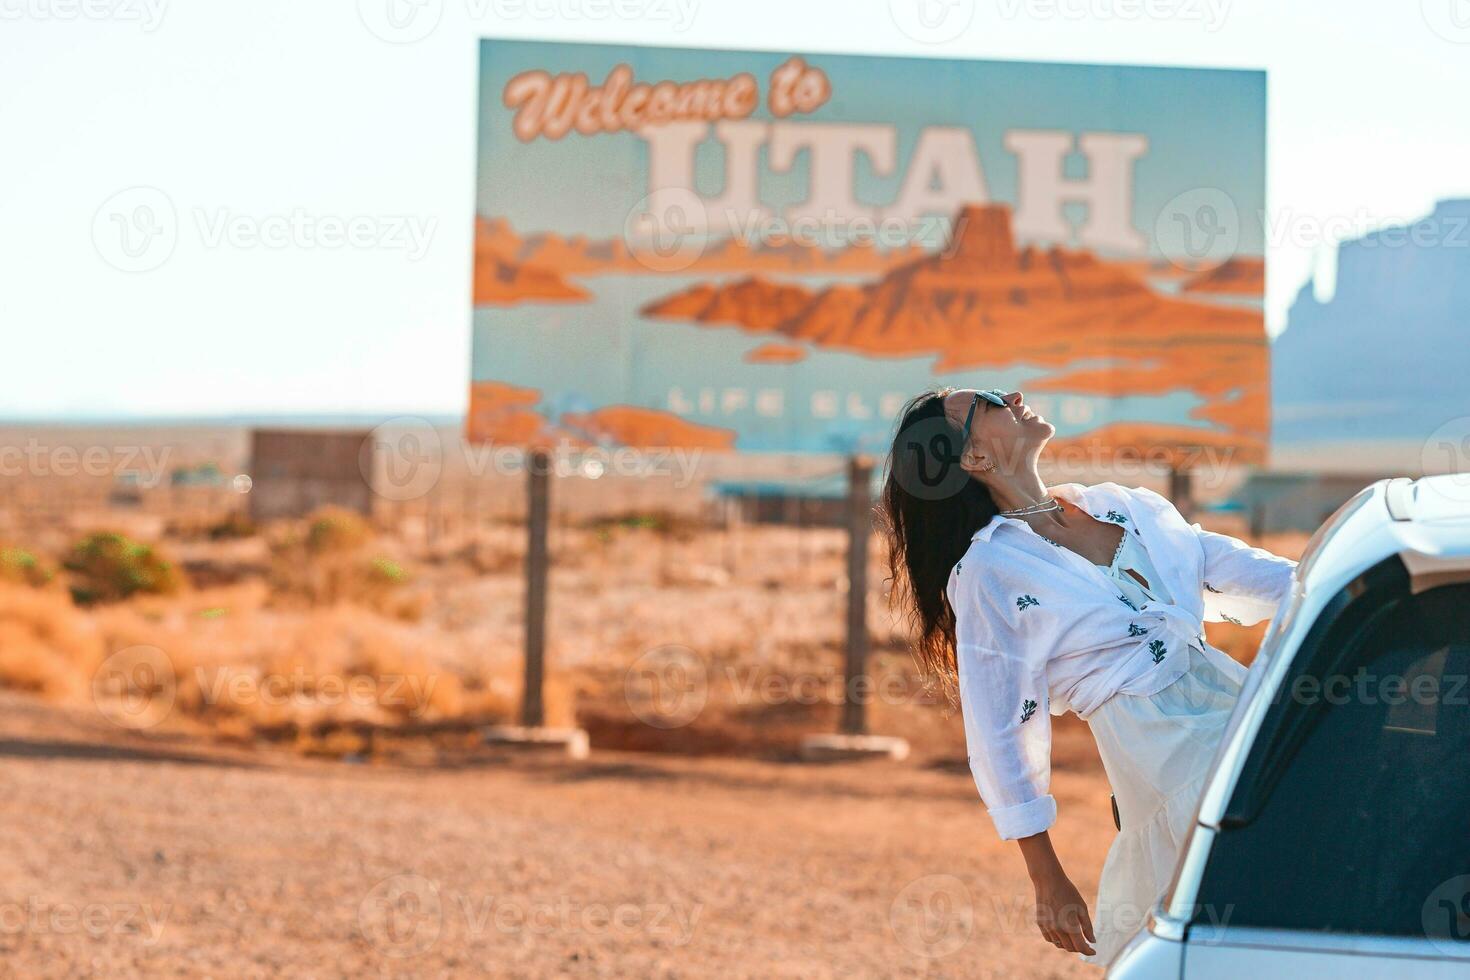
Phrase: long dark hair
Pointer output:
(929, 510)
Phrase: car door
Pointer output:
(1344, 850)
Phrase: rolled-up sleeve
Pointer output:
(1004, 701)
(1242, 583)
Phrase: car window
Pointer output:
(1364, 821)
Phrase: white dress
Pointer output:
(1156, 750)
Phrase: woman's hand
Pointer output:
(1061, 914)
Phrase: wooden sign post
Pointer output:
(532, 731)
(852, 740)
(859, 520)
(538, 514)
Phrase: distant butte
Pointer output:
(984, 303)
(1240, 276)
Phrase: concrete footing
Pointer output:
(572, 741)
(829, 748)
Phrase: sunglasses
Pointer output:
(993, 395)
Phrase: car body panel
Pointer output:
(1426, 524)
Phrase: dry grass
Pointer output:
(328, 636)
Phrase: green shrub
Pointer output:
(388, 571)
(108, 567)
(335, 529)
(23, 568)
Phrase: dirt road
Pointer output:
(132, 857)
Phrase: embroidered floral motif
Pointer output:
(1135, 630)
(1231, 619)
(1116, 517)
(957, 566)
(1028, 708)
(1127, 602)
(1156, 647)
(1211, 588)
(1022, 601)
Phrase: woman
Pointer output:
(1034, 601)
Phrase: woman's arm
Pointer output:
(1005, 709)
(1061, 914)
(1242, 583)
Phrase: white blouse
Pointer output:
(1041, 631)
(1131, 554)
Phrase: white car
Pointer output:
(1333, 836)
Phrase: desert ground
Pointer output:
(240, 750)
(157, 857)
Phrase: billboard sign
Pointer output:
(768, 251)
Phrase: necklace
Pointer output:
(1042, 506)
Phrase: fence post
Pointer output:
(538, 494)
(859, 527)
(1181, 491)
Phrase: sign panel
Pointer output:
(766, 251)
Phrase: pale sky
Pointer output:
(277, 112)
